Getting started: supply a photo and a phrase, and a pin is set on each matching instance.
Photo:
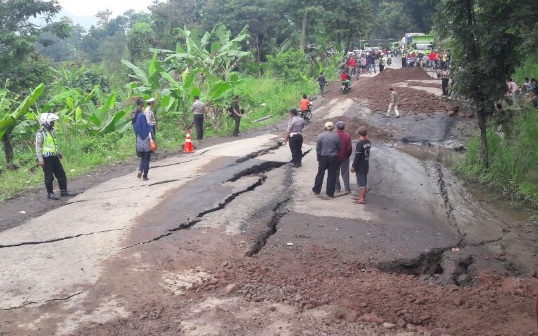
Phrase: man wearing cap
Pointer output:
(361, 164)
(150, 115)
(295, 138)
(327, 147)
(198, 109)
(343, 156)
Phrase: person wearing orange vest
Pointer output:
(49, 156)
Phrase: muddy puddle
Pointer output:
(507, 209)
(447, 157)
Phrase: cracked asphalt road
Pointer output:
(231, 241)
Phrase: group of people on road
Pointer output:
(333, 151)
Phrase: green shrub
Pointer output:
(513, 160)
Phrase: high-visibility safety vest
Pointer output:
(49, 147)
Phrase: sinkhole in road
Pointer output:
(427, 263)
(436, 265)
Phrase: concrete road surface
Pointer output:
(54, 266)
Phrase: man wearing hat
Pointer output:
(361, 164)
(295, 138)
(150, 115)
(327, 147)
(343, 156)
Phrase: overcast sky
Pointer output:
(91, 7)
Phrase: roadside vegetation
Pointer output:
(513, 168)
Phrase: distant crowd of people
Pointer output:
(426, 59)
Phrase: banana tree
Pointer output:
(8, 120)
(145, 83)
(106, 118)
(216, 53)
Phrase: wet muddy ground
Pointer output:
(243, 247)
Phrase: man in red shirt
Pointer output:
(343, 156)
(352, 66)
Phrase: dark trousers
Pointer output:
(153, 129)
(329, 163)
(144, 163)
(381, 68)
(296, 144)
(444, 85)
(199, 125)
(236, 128)
(53, 167)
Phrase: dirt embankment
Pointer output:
(373, 92)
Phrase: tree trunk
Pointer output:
(483, 137)
(303, 32)
(8, 148)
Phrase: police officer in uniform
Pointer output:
(49, 156)
(295, 138)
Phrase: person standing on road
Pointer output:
(327, 147)
(393, 105)
(360, 164)
(343, 156)
(295, 138)
(150, 115)
(445, 79)
(322, 82)
(143, 135)
(351, 65)
(382, 62)
(198, 110)
(237, 114)
(50, 156)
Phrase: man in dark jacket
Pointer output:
(327, 148)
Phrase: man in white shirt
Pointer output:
(150, 115)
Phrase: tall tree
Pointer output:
(487, 48)
(19, 32)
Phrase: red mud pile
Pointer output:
(373, 92)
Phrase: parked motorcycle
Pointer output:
(389, 60)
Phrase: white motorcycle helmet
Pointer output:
(45, 119)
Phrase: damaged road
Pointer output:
(231, 241)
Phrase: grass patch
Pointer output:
(513, 158)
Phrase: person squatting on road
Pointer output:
(327, 147)
(198, 110)
(150, 115)
(343, 156)
(49, 156)
(361, 164)
(393, 105)
(322, 82)
(236, 115)
(295, 138)
(143, 134)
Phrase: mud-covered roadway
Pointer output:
(231, 240)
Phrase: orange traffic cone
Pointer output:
(188, 144)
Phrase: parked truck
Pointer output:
(420, 43)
